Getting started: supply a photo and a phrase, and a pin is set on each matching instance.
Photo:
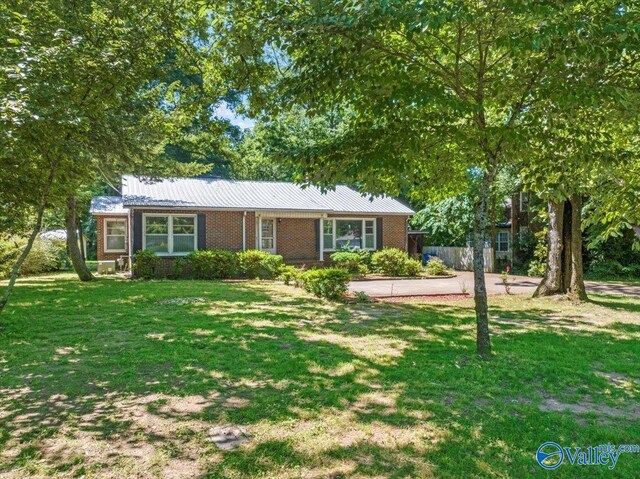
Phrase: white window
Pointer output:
(170, 234)
(340, 233)
(115, 235)
(268, 234)
(502, 242)
(524, 202)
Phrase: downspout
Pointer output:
(244, 231)
(129, 238)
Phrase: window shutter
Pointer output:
(318, 233)
(137, 231)
(379, 242)
(202, 231)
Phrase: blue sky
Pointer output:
(223, 111)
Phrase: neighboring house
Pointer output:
(174, 217)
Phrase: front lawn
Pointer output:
(124, 379)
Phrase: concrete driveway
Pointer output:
(464, 281)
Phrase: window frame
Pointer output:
(170, 233)
(500, 242)
(524, 202)
(364, 234)
(106, 235)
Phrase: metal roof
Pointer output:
(216, 193)
(108, 205)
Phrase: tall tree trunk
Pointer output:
(483, 341)
(566, 247)
(81, 240)
(636, 230)
(552, 281)
(16, 267)
(577, 290)
(44, 198)
(72, 242)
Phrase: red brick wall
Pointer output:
(100, 253)
(295, 237)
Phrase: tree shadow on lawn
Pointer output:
(391, 390)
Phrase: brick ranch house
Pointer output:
(176, 216)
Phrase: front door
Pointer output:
(268, 235)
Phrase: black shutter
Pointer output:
(318, 232)
(137, 231)
(379, 242)
(202, 231)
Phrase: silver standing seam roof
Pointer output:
(108, 205)
(215, 193)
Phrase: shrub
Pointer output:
(351, 262)
(606, 268)
(394, 262)
(259, 264)
(212, 264)
(328, 283)
(536, 268)
(413, 267)
(45, 256)
(145, 264)
(436, 267)
(362, 297)
(9, 252)
(290, 275)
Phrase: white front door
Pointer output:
(268, 235)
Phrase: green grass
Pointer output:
(113, 379)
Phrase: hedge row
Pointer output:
(211, 264)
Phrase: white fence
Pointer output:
(460, 258)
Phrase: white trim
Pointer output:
(244, 231)
(105, 235)
(498, 233)
(362, 220)
(170, 232)
(275, 235)
(522, 195)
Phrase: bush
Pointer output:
(9, 252)
(394, 262)
(145, 264)
(436, 267)
(607, 268)
(536, 268)
(212, 264)
(412, 267)
(351, 262)
(290, 275)
(327, 283)
(259, 264)
(45, 256)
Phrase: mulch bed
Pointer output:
(425, 298)
(379, 277)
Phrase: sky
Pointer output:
(223, 111)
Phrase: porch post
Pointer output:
(259, 224)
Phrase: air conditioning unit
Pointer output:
(107, 267)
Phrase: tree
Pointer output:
(78, 100)
(430, 92)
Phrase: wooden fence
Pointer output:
(460, 258)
